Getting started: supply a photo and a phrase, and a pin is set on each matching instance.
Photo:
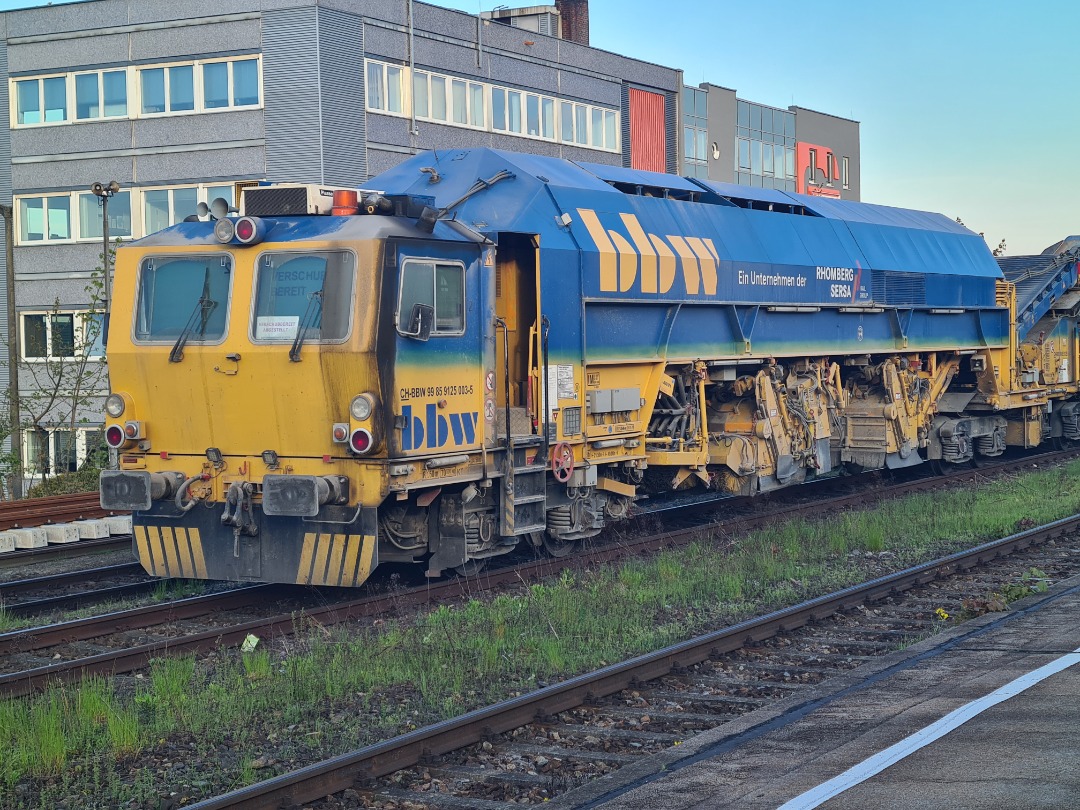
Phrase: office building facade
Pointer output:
(183, 102)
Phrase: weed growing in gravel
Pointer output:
(341, 687)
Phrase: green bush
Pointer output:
(82, 480)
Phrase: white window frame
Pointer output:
(101, 116)
(80, 325)
(200, 101)
(136, 197)
(609, 117)
(13, 102)
(45, 239)
(134, 95)
(202, 195)
(76, 198)
(82, 436)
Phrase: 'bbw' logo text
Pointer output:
(435, 430)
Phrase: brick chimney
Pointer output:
(575, 20)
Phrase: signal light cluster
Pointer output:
(242, 231)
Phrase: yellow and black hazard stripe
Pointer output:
(344, 560)
(165, 551)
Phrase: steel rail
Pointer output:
(69, 601)
(15, 559)
(36, 638)
(53, 509)
(18, 586)
(135, 658)
(341, 772)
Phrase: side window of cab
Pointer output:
(431, 298)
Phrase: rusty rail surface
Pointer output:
(53, 509)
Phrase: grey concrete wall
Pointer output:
(723, 113)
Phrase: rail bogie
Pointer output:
(500, 349)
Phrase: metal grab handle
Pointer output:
(545, 331)
(501, 324)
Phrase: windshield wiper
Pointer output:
(200, 315)
(314, 308)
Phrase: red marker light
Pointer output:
(245, 229)
(114, 435)
(360, 441)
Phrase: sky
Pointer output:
(966, 107)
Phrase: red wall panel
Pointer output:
(648, 148)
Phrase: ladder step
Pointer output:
(520, 499)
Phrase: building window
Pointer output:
(41, 101)
(845, 176)
(168, 89)
(575, 127)
(813, 166)
(695, 132)
(768, 157)
(190, 87)
(48, 218)
(90, 216)
(163, 207)
(743, 155)
(44, 219)
(230, 84)
(59, 449)
(62, 335)
(102, 94)
(461, 102)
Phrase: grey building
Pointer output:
(179, 102)
(732, 140)
(184, 101)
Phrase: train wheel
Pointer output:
(470, 568)
(558, 548)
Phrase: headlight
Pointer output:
(361, 407)
(114, 406)
(224, 230)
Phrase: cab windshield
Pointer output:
(312, 292)
(172, 288)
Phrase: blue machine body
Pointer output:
(636, 263)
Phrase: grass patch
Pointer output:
(331, 690)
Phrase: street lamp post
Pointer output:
(104, 193)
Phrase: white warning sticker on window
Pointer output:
(276, 327)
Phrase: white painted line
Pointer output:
(923, 737)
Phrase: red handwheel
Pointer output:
(562, 461)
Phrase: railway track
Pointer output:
(31, 512)
(53, 509)
(84, 548)
(65, 591)
(103, 645)
(549, 745)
